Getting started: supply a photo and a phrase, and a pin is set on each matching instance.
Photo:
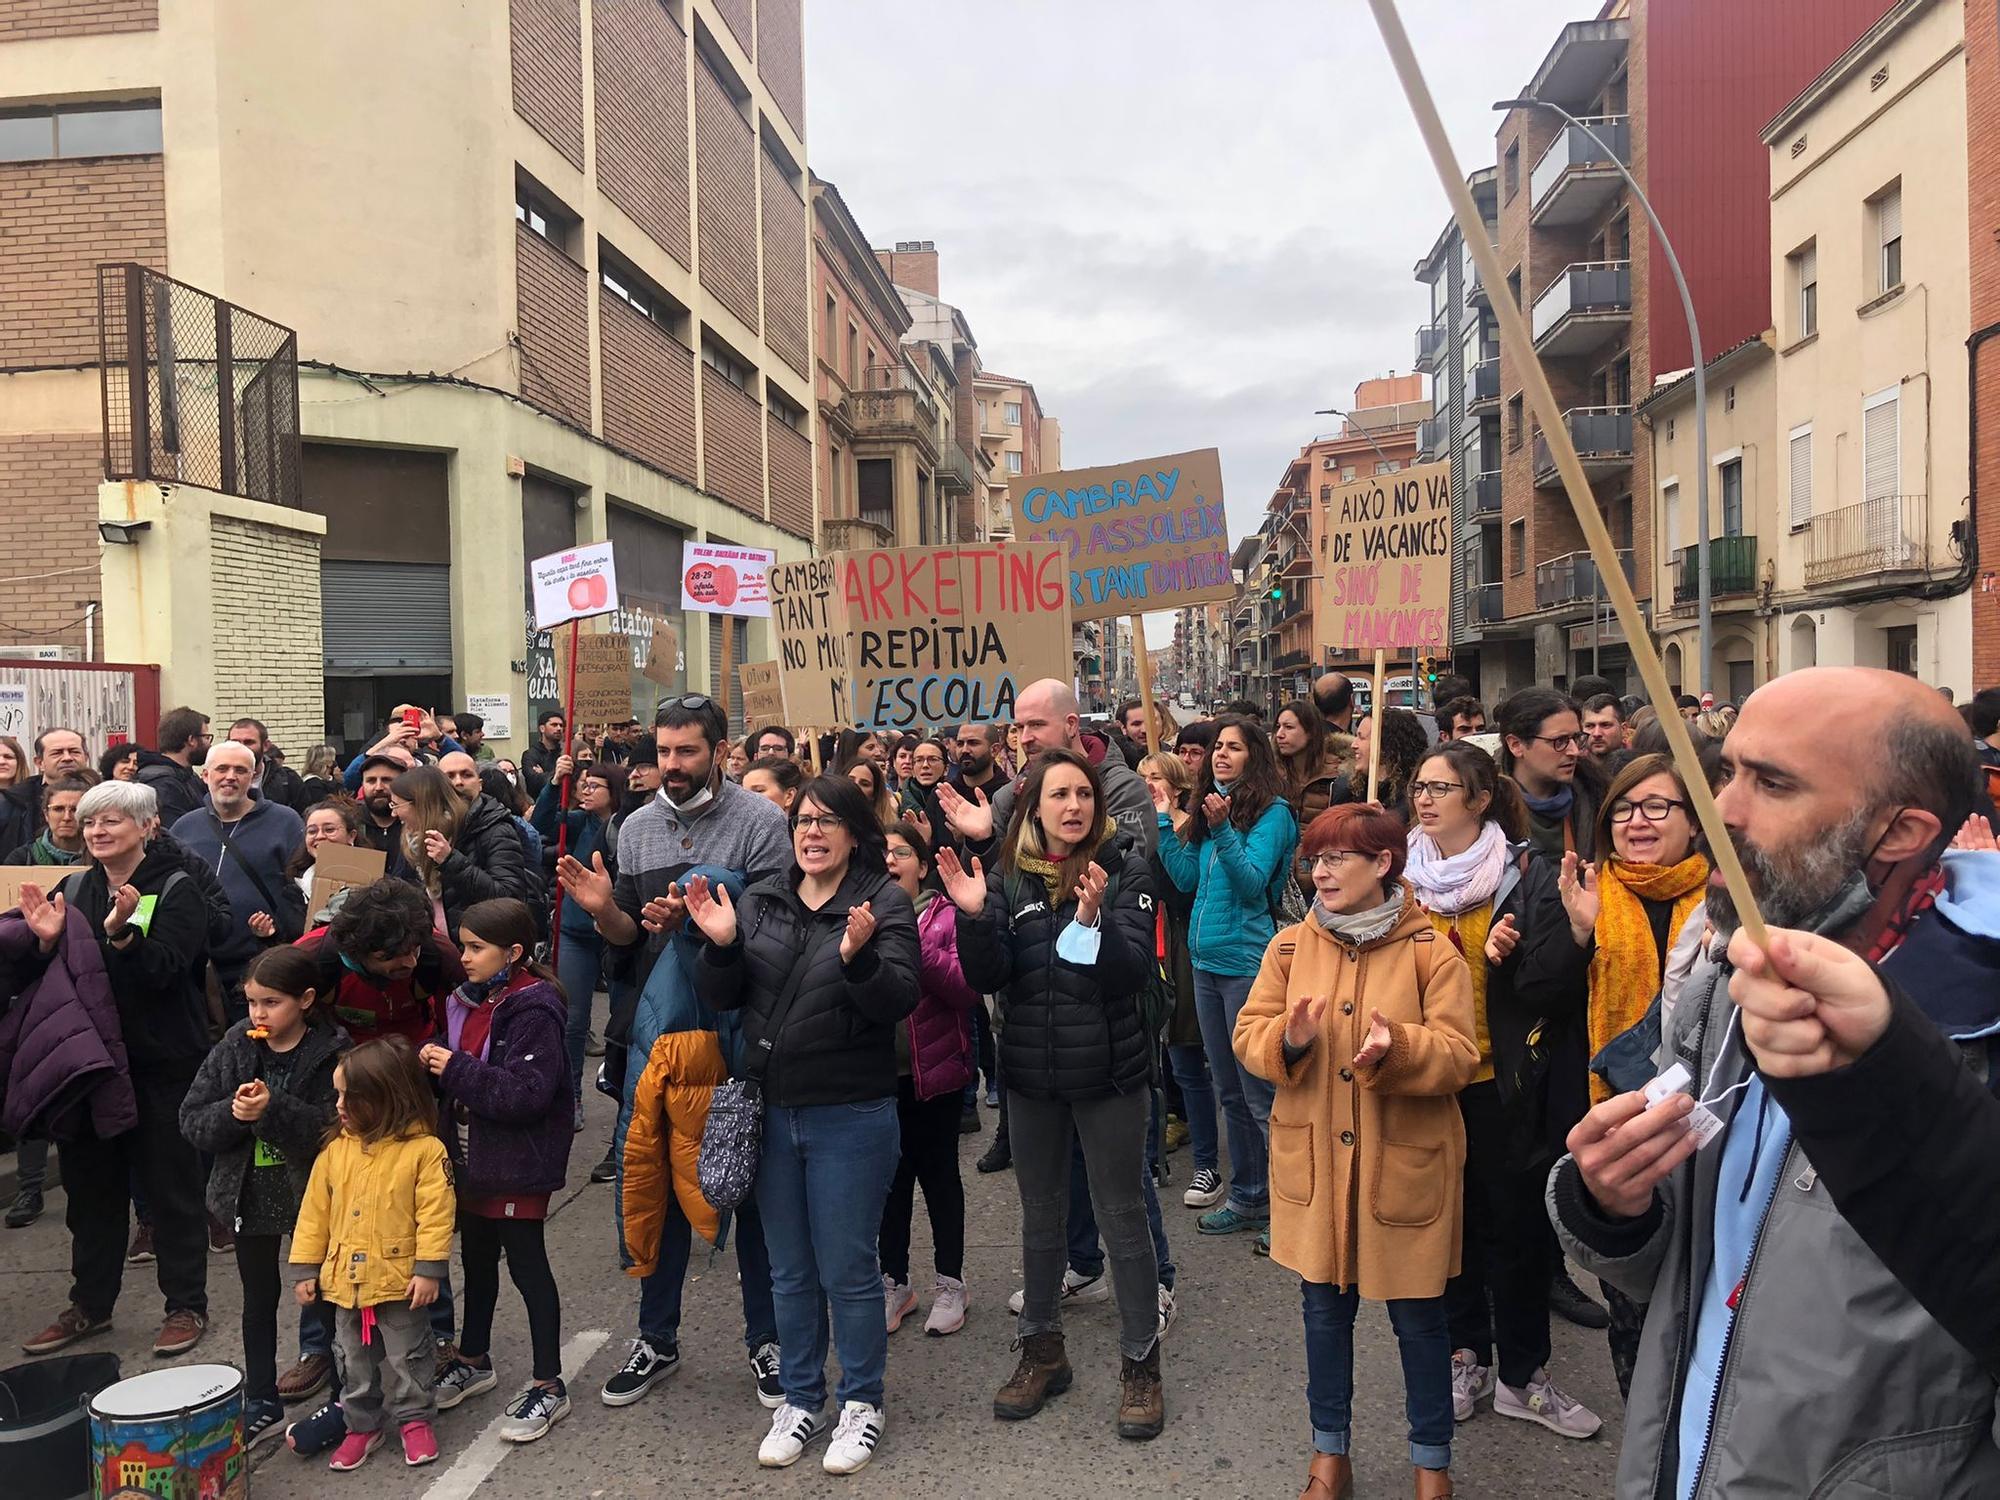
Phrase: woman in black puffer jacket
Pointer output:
(839, 937)
(1062, 932)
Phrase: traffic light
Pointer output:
(1278, 592)
(1430, 670)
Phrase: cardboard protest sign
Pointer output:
(810, 623)
(574, 584)
(13, 877)
(1150, 534)
(763, 697)
(943, 635)
(663, 661)
(340, 867)
(603, 679)
(718, 579)
(1388, 564)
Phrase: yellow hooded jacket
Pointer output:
(374, 1215)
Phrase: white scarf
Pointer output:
(1450, 884)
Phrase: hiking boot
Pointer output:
(1434, 1484)
(1226, 1220)
(1142, 1400)
(947, 1307)
(1177, 1135)
(1331, 1477)
(181, 1332)
(1470, 1381)
(142, 1246)
(306, 1379)
(1570, 1302)
(1043, 1372)
(26, 1208)
(71, 1324)
(1540, 1401)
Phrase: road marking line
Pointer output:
(476, 1464)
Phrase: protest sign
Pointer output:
(603, 680)
(497, 709)
(1145, 535)
(341, 867)
(573, 584)
(943, 635)
(663, 660)
(763, 697)
(810, 624)
(1388, 564)
(13, 877)
(718, 579)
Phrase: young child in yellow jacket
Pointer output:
(374, 1239)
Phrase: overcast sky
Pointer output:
(1188, 225)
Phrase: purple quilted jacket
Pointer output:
(941, 1025)
(507, 1119)
(62, 1050)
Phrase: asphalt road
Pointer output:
(1234, 1368)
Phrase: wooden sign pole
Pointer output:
(1375, 724)
(1520, 349)
(1145, 662)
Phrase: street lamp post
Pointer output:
(1703, 572)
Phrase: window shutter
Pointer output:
(1809, 264)
(1672, 497)
(1801, 486)
(1879, 437)
(1889, 215)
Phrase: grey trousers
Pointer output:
(1112, 1131)
(394, 1370)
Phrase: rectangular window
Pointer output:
(1348, 474)
(1670, 514)
(1881, 438)
(1013, 413)
(1800, 478)
(853, 355)
(126, 129)
(727, 364)
(1620, 520)
(1517, 547)
(629, 287)
(1886, 215)
(1514, 285)
(1731, 476)
(830, 336)
(1013, 462)
(544, 216)
(1514, 422)
(1385, 466)
(784, 408)
(1511, 172)
(1803, 268)
(1899, 649)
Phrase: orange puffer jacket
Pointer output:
(663, 1144)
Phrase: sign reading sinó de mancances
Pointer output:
(947, 635)
(1388, 563)
(1139, 536)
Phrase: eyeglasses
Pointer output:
(1435, 791)
(817, 823)
(1561, 741)
(1652, 809)
(901, 851)
(1330, 859)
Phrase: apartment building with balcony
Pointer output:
(557, 291)
(1016, 435)
(1677, 90)
(1459, 349)
(891, 469)
(1873, 550)
(966, 467)
(1248, 666)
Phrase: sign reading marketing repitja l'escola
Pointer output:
(1139, 536)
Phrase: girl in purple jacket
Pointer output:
(504, 1074)
(932, 1048)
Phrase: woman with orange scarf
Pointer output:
(1626, 912)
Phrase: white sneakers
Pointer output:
(854, 1443)
(1470, 1382)
(1540, 1401)
(1075, 1288)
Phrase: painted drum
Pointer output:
(170, 1432)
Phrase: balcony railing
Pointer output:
(1484, 387)
(1430, 345)
(1468, 275)
(1486, 494)
(893, 414)
(1483, 603)
(1573, 579)
(862, 533)
(1732, 569)
(1889, 534)
(1602, 437)
(1583, 307)
(954, 470)
(1432, 439)
(1291, 660)
(1574, 178)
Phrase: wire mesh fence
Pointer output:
(196, 390)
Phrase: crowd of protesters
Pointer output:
(1462, 991)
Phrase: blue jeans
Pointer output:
(660, 1293)
(821, 1184)
(1190, 1065)
(579, 965)
(1246, 1099)
(1086, 1252)
(1423, 1336)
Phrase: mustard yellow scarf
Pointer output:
(1625, 970)
(1045, 870)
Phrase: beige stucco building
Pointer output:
(549, 264)
(1017, 435)
(1869, 276)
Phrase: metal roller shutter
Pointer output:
(380, 617)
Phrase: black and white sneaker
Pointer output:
(646, 1366)
(855, 1439)
(534, 1412)
(262, 1420)
(461, 1378)
(791, 1429)
(1204, 1190)
(764, 1370)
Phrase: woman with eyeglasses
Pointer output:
(1626, 915)
(1361, 1016)
(1496, 903)
(823, 961)
(917, 802)
(1233, 853)
(1062, 931)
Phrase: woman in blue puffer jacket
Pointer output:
(1235, 854)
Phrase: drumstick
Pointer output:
(1520, 347)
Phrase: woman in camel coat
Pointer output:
(1362, 1017)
